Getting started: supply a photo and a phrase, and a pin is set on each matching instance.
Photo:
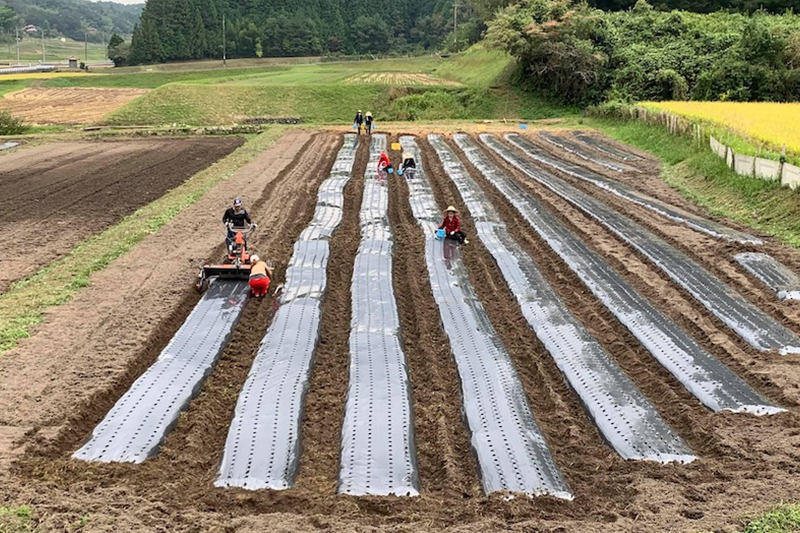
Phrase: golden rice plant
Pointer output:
(772, 123)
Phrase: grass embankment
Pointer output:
(705, 179)
(750, 128)
(320, 93)
(23, 306)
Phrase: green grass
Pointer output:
(223, 104)
(316, 92)
(23, 306)
(783, 518)
(16, 519)
(705, 179)
(31, 50)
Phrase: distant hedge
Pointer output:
(583, 55)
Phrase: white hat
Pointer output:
(254, 258)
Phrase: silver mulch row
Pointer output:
(378, 455)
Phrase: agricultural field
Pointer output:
(472, 87)
(773, 124)
(399, 382)
(69, 105)
(61, 193)
(398, 78)
(30, 50)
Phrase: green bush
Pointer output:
(582, 55)
(10, 125)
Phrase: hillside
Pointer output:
(70, 17)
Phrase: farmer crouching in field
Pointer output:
(235, 217)
(409, 166)
(260, 274)
(452, 226)
(384, 165)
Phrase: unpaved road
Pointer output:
(58, 384)
(66, 105)
(54, 196)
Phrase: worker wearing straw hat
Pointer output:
(452, 226)
(409, 166)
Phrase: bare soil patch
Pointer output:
(54, 196)
(66, 105)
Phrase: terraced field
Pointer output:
(601, 356)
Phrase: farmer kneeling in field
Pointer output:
(452, 226)
(260, 275)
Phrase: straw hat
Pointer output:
(406, 155)
(451, 208)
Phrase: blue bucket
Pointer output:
(390, 170)
(399, 171)
(440, 234)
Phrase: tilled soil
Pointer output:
(57, 385)
(67, 105)
(54, 196)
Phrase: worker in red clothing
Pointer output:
(384, 165)
(452, 226)
(260, 275)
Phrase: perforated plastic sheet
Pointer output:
(773, 274)
(752, 324)
(605, 147)
(511, 450)
(378, 456)
(702, 374)
(703, 225)
(581, 151)
(263, 445)
(627, 420)
(137, 424)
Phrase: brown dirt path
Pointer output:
(54, 196)
(67, 105)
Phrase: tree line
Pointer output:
(582, 55)
(192, 29)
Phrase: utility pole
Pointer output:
(17, 45)
(44, 54)
(455, 21)
(85, 48)
(224, 50)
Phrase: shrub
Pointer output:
(10, 125)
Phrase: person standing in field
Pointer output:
(368, 121)
(358, 122)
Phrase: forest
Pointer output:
(75, 19)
